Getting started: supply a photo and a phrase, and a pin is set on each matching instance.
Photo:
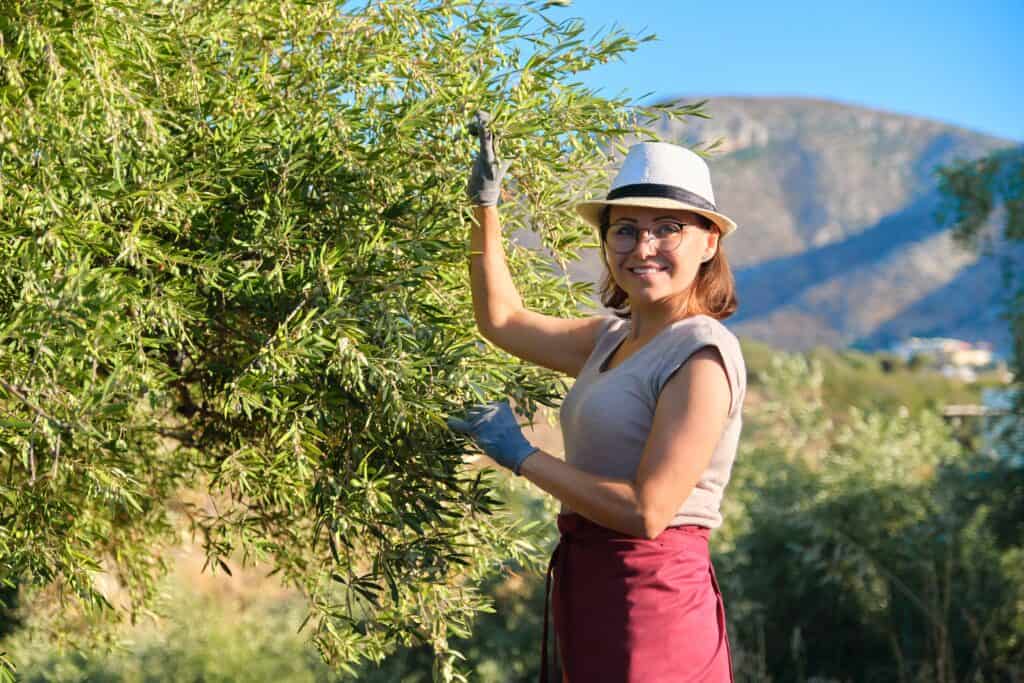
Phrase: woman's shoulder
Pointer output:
(701, 331)
(706, 328)
(698, 331)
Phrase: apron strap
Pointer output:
(721, 616)
(547, 599)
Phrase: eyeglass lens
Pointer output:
(623, 237)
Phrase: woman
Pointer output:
(651, 424)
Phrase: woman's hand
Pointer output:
(495, 429)
(484, 188)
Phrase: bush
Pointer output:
(201, 639)
(865, 549)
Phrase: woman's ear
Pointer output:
(711, 247)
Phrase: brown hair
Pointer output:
(714, 287)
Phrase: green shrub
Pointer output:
(200, 639)
(866, 548)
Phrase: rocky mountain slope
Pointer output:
(839, 243)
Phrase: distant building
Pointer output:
(954, 358)
(976, 356)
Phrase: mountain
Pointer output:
(839, 243)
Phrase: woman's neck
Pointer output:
(644, 324)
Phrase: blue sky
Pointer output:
(958, 62)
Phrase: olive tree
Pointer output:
(234, 294)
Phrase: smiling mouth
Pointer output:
(646, 271)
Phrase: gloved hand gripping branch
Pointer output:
(484, 188)
(496, 430)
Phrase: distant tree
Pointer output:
(975, 192)
(984, 200)
(918, 361)
(234, 294)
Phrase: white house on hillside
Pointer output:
(944, 351)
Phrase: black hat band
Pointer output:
(666, 191)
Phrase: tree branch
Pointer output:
(13, 391)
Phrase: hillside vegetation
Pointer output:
(872, 381)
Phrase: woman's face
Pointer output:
(675, 269)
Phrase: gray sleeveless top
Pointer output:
(607, 414)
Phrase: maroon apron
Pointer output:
(632, 610)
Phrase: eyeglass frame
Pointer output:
(650, 232)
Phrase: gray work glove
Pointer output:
(484, 188)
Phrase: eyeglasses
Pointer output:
(622, 237)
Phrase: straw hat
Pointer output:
(661, 175)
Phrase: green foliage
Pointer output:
(233, 261)
(201, 640)
(975, 193)
(865, 548)
(230, 629)
(504, 644)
